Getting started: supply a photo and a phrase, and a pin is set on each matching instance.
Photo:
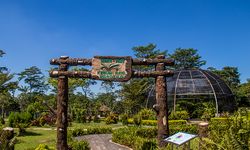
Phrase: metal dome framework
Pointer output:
(200, 84)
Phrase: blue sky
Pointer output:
(34, 31)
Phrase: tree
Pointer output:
(187, 58)
(35, 80)
(74, 83)
(135, 92)
(6, 86)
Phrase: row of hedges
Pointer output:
(90, 130)
(154, 122)
(142, 138)
(135, 138)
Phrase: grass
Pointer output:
(41, 135)
(34, 137)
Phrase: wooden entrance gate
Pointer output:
(111, 68)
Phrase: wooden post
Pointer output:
(62, 105)
(161, 104)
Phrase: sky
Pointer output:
(34, 31)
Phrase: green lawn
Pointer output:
(34, 137)
(42, 135)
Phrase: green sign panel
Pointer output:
(111, 68)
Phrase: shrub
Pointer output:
(179, 115)
(135, 138)
(90, 130)
(147, 114)
(43, 147)
(79, 145)
(124, 119)
(112, 119)
(154, 122)
(137, 120)
(189, 128)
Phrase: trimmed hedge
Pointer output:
(143, 138)
(79, 145)
(135, 138)
(90, 130)
(154, 122)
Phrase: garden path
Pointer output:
(102, 142)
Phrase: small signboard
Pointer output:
(111, 68)
(180, 138)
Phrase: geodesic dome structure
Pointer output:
(199, 85)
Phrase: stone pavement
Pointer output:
(101, 142)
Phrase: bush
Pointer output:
(179, 115)
(90, 130)
(147, 114)
(43, 147)
(79, 145)
(135, 137)
(154, 122)
(17, 118)
(189, 128)
(112, 119)
(124, 119)
(137, 120)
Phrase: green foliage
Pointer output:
(90, 130)
(154, 122)
(2, 122)
(229, 133)
(179, 115)
(124, 119)
(16, 118)
(43, 147)
(112, 119)
(137, 120)
(187, 58)
(147, 114)
(136, 138)
(79, 145)
(35, 80)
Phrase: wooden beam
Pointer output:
(135, 61)
(72, 61)
(87, 74)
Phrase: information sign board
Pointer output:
(180, 138)
(111, 68)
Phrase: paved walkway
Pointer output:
(101, 142)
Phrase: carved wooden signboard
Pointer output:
(111, 68)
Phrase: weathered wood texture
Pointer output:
(84, 61)
(87, 74)
(62, 105)
(161, 102)
(71, 61)
(159, 74)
